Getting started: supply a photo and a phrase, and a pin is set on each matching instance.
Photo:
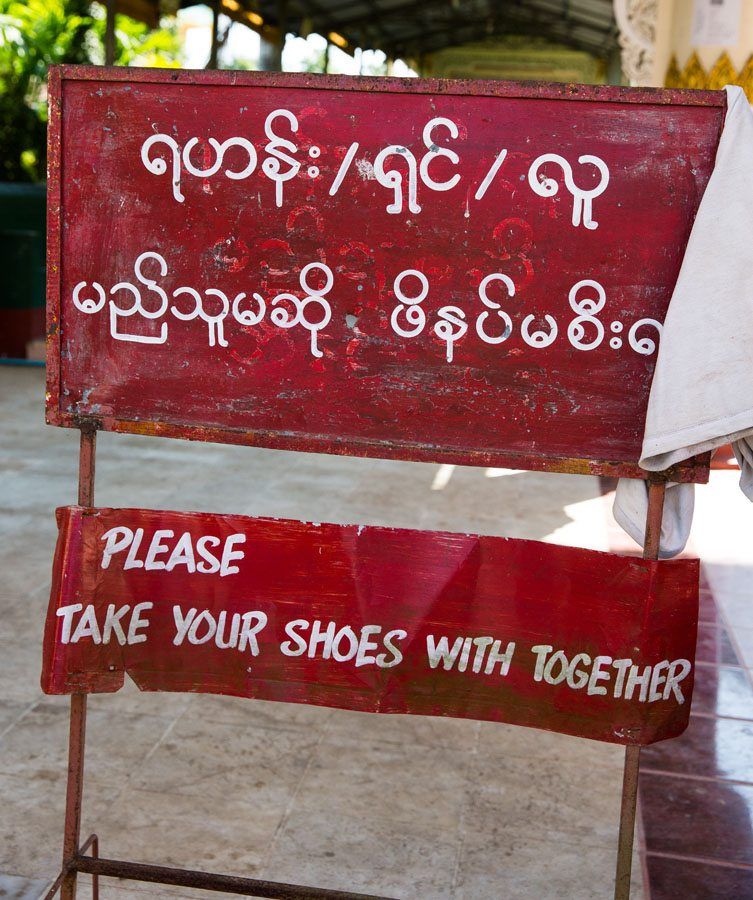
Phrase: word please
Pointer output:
(163, 551)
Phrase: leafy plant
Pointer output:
(38, 33)
(138, 45)
(33, 35)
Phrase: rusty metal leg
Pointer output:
(93, 842)
(95, 877)
(656, 492)
(74, 793)
(86, 461)
(627, 823)
(77, 736)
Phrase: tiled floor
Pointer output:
(417, 808)
(696, 792)
(414, 808)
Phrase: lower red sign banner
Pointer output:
(373, 619)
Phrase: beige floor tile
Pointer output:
(15, 887)
(204, 758)
(130, 701)
(495, 865)
(497, 741)
(421, 731)
(32, 814)
(20, 668)
(22, 621)
(37, 747)
(545, 799)
(123, 889)
(11, 712)
(26, 552)
(257, 713)
(212, 832)
(420, 786)
(366, 854)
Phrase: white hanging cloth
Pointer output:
(702, 391)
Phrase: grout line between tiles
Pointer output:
(127, 783)
(665, 773)
(703, 860)
(706, 664)
(465, 806)
(284, 819)
(710, 715)
(22, 715)
(722, 623)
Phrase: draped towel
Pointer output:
(702, 391)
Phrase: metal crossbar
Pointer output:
(95, 866)
(211, 881)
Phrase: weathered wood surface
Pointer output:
(150, 346)
(481, 595)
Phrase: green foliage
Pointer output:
(138, 45)
(38, 33)
(32, 36)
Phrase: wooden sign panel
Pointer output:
(373, 619)
(462, 272)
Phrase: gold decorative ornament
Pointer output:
(673, 78)
(722, 72)
(694, 76)
(745, 78)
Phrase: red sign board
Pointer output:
(461, 272)
(373, 619)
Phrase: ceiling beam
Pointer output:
(453, 34)
(414, 27)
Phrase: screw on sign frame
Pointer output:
(536, 328)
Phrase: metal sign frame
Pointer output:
(76, 855)
(58, 412)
